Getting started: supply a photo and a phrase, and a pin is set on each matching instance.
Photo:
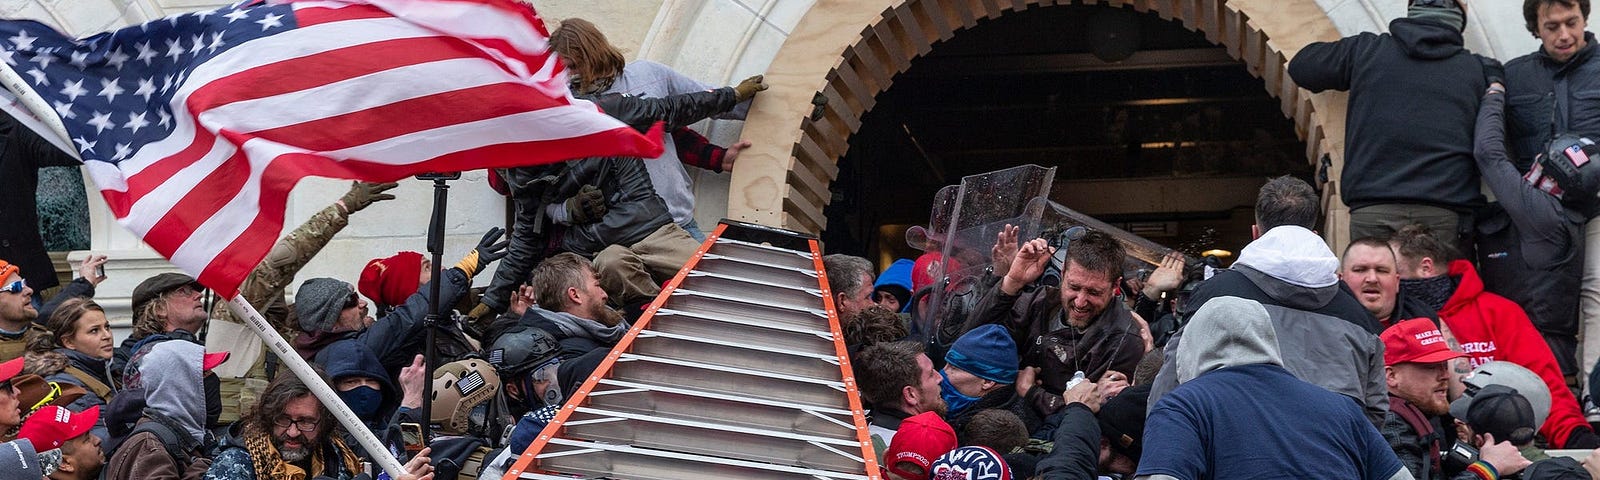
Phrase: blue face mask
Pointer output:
(364, 401)
(953, 398)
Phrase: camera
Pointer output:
(1459, 457)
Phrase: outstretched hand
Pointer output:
(411, 383)
(1028, 266)
(90, 269)
(364, 194)
(1167, 278)
(1004, 251)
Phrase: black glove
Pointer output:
(588, 205)
(487, 251)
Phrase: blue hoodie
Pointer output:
(898, 275)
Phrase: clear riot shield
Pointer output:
(964, 222)
(1054, 220)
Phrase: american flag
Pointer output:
(196, 127)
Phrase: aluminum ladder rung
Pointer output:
(626, 449)
(713, 256)
(685, 291)
(833, 359)
(711, 426)
(826, 335)
(735, 372)
(729, 369)
(631, 387)
(704, 274)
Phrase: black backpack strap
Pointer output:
(169, 439)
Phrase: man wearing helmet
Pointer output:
(1531, 246)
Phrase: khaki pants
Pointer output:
(1384, 220)
(1589, 302)
(632, 274)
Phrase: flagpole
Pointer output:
(36, 104)
(329, 399)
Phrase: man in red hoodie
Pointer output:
(1489, 327)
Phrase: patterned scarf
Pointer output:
(269, 464)
(1434, 291)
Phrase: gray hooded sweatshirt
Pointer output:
(174, 385)
(1231, 332)
(1228, 331)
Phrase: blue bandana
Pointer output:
(956, 400)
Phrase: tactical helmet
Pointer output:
(1565, 162)
(520, 350)
(1524, 381)
(459, 387)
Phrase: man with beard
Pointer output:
(169, 306)
(1075, 327)
(67, 451)
(1488, 326)
(899, 382)
(330, 310)
(570, 305)
(289, 435)
(1416, 366)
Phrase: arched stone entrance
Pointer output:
(849, 51)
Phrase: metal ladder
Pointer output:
(737, 370)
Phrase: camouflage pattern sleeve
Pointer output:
(286, 259)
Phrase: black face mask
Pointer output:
(213, 386)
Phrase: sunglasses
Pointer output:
(351, 302)
(15, 287)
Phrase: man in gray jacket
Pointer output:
(1328, 338)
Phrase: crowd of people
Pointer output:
(1445, 341)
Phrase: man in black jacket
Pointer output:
(1095, 438)
(1408, 157)
(605, 208)
(22, 154)
(1552, 91)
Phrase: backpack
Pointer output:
(169, 440)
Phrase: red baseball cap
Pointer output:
(1416, 340)
(921, 439)
(10, 369)
(52, 426)
(210, 361)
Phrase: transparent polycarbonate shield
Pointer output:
(964, 223)
(1053, 219)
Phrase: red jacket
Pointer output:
(1490, 327)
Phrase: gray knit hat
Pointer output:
(319, 301)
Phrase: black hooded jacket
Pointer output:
(1402, 147)
(633, 210)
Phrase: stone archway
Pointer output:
(849, 51)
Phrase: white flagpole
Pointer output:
(288, 357)
(41, 111)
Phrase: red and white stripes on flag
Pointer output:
(373, 90)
